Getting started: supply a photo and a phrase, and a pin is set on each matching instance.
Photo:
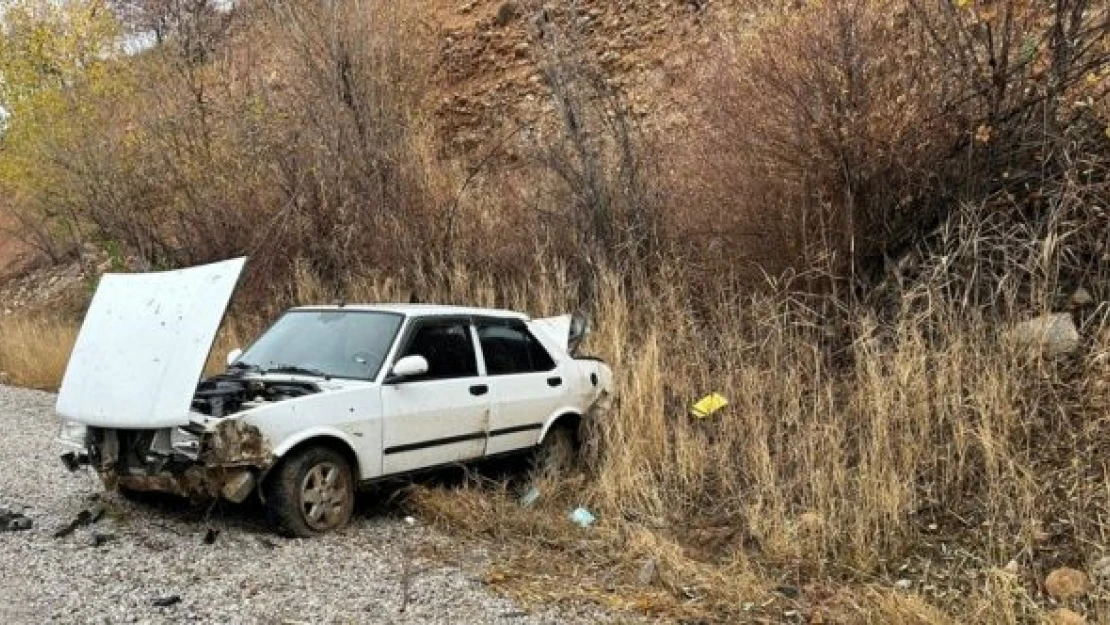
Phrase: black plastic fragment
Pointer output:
(14, 521)
(86, 516)
(168, 600)
(101, 538)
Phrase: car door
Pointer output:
(442, 416)
(526, 384)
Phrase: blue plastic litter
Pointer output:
(582, 517)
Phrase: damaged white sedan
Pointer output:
(327, 399)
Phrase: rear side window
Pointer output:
(512, 349)
(448, 350)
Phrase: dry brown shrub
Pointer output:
(840, 133)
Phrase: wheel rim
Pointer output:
(324, 496)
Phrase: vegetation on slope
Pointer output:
(863, 197)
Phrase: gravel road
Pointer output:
(156, 552)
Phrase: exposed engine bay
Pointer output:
(229, 393)
(224, 459)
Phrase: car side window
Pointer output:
(448, 349)
(509, 349)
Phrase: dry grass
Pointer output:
(855, 453)
(34, 350)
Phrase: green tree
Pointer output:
(59, 64)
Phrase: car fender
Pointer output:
(368, 461)
(558, 414)
(351, 415)
(317, 432)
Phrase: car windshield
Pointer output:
(330, 343)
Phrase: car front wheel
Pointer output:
(311, 492)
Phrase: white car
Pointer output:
(327, 399)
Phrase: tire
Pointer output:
(557, 453)
(311, 492)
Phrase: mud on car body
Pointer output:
(328, 398)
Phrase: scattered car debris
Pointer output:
(73, 460)
(99, 539)
(708, 406)
(167, 601)
(14, 521)
(87, 516)
(582, 517)
(529, 498)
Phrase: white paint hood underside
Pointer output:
(142, 347)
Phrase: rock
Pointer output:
(1081, 297)
(903, 584)
(647, 572)
(508, 12)
(1065, 583)
(1064, 616)
(1100, 570)
(1011, 567)
(1054, 334)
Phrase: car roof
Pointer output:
(423, 310)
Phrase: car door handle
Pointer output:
(479, 389)
(555, 381)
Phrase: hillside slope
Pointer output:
(490, 77)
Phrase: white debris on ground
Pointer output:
(149, 562)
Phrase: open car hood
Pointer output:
(142, 347)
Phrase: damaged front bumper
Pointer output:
(224, 459)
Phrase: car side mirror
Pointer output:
(233, 355)
(409, 367)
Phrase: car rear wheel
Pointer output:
(311, 492)
(557, 454)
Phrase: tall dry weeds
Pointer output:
(34, 350)
(855, 451)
